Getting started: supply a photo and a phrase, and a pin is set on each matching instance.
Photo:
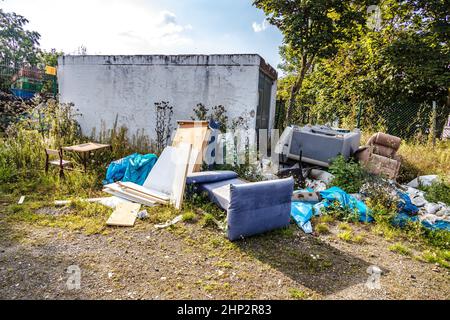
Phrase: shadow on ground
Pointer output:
(307, 260)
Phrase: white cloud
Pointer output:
(123, 27)
(258, 27)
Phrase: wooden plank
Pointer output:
(144, 192)
(130, 197)
(181, 170)
(196, 133)
(124, 215)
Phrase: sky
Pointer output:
(150, 26)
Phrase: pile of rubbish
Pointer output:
(412, 206)
(11, 109)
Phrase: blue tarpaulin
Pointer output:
(407, 212)
(346, 201)
(302, 211)
(133, 168)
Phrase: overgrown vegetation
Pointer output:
(438, 192)
(348, 175)
(163, 128)
(384, 66)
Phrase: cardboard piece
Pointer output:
(196, 133)
(124, 215)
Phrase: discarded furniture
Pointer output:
(85, 148)
(59, 161)
(318, 144)
(197, 134)
(252, 207)
(164, 184)
(379, 155)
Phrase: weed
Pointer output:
(207, 220)
(438, 192)
(83, 216)
(344, 226)
(441, 257)
(322, 228)
(298, 294)
(348, 175)
(345, 236)
(326, 218)
(349, 236)
(343, 214)
(400, 248)
(188, 216)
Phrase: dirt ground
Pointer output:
(188, 261)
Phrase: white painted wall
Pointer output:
(102, 87)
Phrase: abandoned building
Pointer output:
(105, 87)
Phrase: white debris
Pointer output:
(169, 223)
(321, 175)
(419, 201)
(316, 185)
(425, 181)
(142, 214)
(432, 208)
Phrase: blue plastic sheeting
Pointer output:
(407, 212)
(346, 201)
(302, 213)
(405, 205)
(133, 168)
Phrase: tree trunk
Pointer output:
(295, 89)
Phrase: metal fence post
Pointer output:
(433, 124)
(358, 119)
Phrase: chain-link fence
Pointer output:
(405, 120)
(24, 81)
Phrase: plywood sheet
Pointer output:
(195, 133)
(160, 178)
(124, 215)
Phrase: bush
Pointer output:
(348, 175)
(438, 192)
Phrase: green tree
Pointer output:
(17, 45)
(393, 71)
(50, 58)
(312, 29)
